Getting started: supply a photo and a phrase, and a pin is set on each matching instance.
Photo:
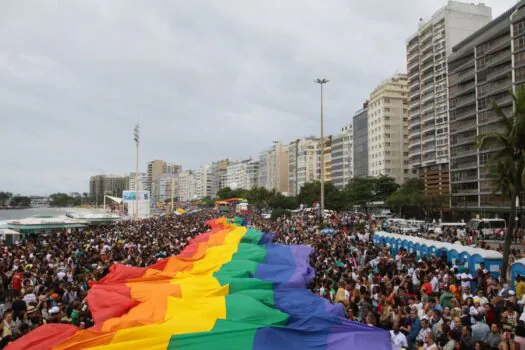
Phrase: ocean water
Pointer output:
(14, 214)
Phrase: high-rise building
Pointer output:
(186, 189)
(303, 160)
(155, 169)
(388, 129)
(360, 127)
(327, 159)
(218, 176)
(483, 69)
(113, 185)
(142, 181)
(273, 168)
(342, 157)
(203, 182)
(427, 53)
(242, 174)
(166, 187)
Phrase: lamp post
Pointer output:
(322, 82)
(136, 138)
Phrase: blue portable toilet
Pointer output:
(423, 248)
(493, 261)
(399, 243)
(410, 247)
(464, 257)
(432, 250)
(404, 244)
(518, 268)
(417, 249)
(453, 256)
(475, 260)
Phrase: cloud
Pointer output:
(205, 79)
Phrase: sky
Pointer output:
(206, 80)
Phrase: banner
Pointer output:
(143, 202)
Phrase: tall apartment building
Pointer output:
(273, 168)
(327, 159)
(482, 70)
(113, 185)
(342, 157)
(142, 181)
(166, 187)
(203, 182)
(242, 174)
(360, 126)
(186, 187)
(218, 176)
(157, 168)
(427, 54)
(388, 129)
(303, 160)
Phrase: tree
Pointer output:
(409, 198)
(311, 193)
(509, 155)
(64, 200)
(20, 201)
(361, 191)
(4, 197)
(384, 187)
(280, 201)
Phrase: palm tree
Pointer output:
(509, 159)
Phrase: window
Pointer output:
(519, 43)
(387, 109)
(518, 28)
(387, 100)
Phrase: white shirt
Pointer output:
(435, 284)
(398, 340)
(465, 284)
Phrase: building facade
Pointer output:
(273, 168)
(388, 129)
(157, 168)
(218, 171)
(303, 159)
(427, 55)
(242, 174)
(186, 187)
(360, 129)
(327, 159)
(142, 181)
(483, 69)
(342, 157)
(203, 182)
(166, 187)
(113, 185)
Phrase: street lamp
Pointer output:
(136, 138)
(322, 82)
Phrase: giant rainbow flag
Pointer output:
(230, 288)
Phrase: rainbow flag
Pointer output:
(230, 288)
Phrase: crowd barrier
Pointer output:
(469, 257)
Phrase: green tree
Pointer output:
(384, 187)
(283, 202)
(361, 191)
(311, 193)
(260, 197)
(409, 198)
(509, 153)
(4, 197)
(21, 201)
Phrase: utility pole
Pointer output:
(136, 138)
(322, 82)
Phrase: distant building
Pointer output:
(242, 174)
(360, 128)
(186, 186)
(112, 185)
(273, 168)
(303, 160)
(342, 157)
(482, 70)
(157, 168)
(166, 187)
(142, 182)
(39, 202)
(218, 171)
(203, 182)
(388, 129)
(427, 53)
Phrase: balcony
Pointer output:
(414, 95)
(465, 101)
(429, 107)
(427, 78)
(500, 58)
(499, 73)
(414, 85)
(426, 98)
(429, 138)
(461, 165)
(460, 140)
(461, 89)
(462, 76)
(493, 88)
(412, 65)
(456, 128)
(429, 88)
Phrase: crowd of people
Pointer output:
(424, 303)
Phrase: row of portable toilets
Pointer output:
(456, 254)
